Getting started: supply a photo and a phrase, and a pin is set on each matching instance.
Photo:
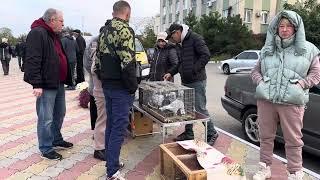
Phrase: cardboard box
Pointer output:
(141, 124)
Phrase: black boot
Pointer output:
(184, 136)
(211, 139)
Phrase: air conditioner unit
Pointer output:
(258, 14)
(209, 3)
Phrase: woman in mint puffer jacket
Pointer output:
(288, 68)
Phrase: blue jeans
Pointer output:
(118, 104)
(51, 109)
(200, 106)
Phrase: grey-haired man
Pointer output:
(47, 70)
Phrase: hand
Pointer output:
(37, 92)
(167, 77)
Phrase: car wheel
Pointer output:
(250, 126)
(226, 69)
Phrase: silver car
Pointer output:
(244, 61)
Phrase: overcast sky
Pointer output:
(90, 14)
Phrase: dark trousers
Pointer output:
(93, 112)
(200, 106)
(73, 73)
(80, 73)
(5, 66)
(20, 62)
(118, 104)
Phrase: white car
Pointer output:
(244, 61)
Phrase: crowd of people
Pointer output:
(51, 62)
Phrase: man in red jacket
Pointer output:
(46, 69)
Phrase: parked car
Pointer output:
(141, 56)
(240, 103)
(244, 61)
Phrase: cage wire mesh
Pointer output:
(167, 101)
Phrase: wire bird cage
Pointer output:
(167, 101)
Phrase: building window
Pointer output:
(248, 15)
(225, 13)
(177, 6)
(171, 10)
(193, 3)
(185, 4)
(170, 18)
(164, 19)
(204, 2)
(264, 17)
(164, 3)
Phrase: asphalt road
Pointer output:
(215, 90)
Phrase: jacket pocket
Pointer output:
(295, 94)
(262, 90)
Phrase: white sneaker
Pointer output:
(116, 176)
(263, 173)
(296, 176)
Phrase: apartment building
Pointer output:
(256, 14)
(156, 24)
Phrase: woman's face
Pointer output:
(285, 29)
(161, 43)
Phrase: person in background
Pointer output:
(47, 70)
(288, 68)
(81, 47)
(165, 58)
(19, 53)
(5, 55)
(194, 56)
(97, 99)
(70, 47)
(117, 66)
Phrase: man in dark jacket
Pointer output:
(194, 56)
(19, 53)
(119, 81)
(5, 55)
(70, 47)
(82, 46)
(46, 69)
(165, 58)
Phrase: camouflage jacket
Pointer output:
(116, 56)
